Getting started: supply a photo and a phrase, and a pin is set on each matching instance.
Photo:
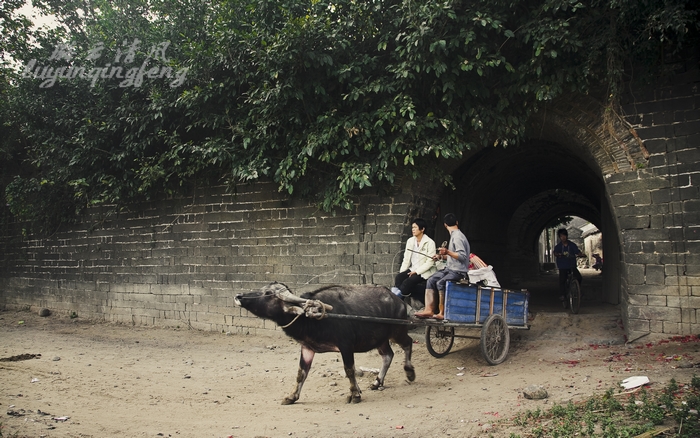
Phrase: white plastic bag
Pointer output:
(485, 275)
(634, 381)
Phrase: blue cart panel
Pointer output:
(469, 303)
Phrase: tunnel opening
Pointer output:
(505, 197)
(581, 231)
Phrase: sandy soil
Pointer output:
(104, 380)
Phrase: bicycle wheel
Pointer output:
(574, 295)
(439, 340)
(495, 339)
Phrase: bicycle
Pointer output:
(573, 292)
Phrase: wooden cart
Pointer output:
(467, 306)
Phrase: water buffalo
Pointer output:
(303, 319)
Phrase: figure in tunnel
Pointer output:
(566, 252)
(457, 256)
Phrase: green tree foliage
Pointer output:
(325, 98)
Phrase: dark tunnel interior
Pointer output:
(505, 197)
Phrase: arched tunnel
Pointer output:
(505, 197)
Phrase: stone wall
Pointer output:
(181, 261)
(657, 209)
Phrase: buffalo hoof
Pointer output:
(288, 401)
(354, 398)
(410, 374)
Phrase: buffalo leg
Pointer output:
(406, 342)
(349, 364)
(307, 357)
(387, 355)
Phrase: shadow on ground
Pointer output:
(596, 323)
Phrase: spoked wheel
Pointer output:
(495, 339)
(574, 295)
(439, 340)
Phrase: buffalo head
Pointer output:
(276, 302)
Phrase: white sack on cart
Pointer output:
(485, 275)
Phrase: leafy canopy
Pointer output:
(325, 98)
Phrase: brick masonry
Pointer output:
(657, 211)
(180, 262)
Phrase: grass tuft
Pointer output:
(670, 412)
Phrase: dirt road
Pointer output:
(101, 380)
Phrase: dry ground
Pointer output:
(106, 380)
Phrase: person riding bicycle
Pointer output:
(565, 252)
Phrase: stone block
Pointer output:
(646, 289)
(149, 312)
(676, 234)
(687, 128)
(671, 328)
(676, 281)
(656, 146)
(672, 314)
(643, 258)
(685, 168)
(333, 260)
(210, 301)
(687, 156)
(641, 235)
(642, 198)
(672, 220)
(663, 117)
(661, 196)
(209, 318)
(623, 199)
(635, 274)
(656, 326)
(689, 193)
(141, 288)
(169, 289)
(643, 300)
(687, 328)
(656, 221)
(653, 132)
(693, 248)
(654, 300)
(678, 301)
(687, 317)
(170, 307)
(685, 142)
(638, 327)
(632, 247)
(633, 222)
(655, 274)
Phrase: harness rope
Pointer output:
(293, 321)
(307, 306)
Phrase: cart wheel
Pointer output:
(495, 339)
(574, 296)
(439, 340)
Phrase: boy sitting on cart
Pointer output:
(457, 256)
